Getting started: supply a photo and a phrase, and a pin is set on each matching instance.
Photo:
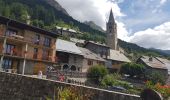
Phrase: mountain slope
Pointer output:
(94, 26)
(48, 13)
(57, 6)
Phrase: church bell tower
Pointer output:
(111, 30)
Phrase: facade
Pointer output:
(111, 31)
(167, 63)
(115, 60)
(69, 56)
(100, 49)
(73, 58)
(90, 59)
(25, 49)
(154, 64)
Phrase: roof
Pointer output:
(14, 23)
(66, 46)
(75, 40)
(66, 29)
(90, 55)
(166, 62)
(97, 43)
(118, 56)
(153, 62)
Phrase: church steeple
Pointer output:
(111, 27)
(111, 17)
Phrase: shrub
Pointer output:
(132, 69)
(96, 73)
(156, 77)
(163, 89)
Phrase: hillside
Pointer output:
(94, 26)
(48, 13)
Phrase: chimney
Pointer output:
(150, 58)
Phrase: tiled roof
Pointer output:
(90, 55)
(66, 29)
(66, 46)
(166, 62)
(97, 43)
(118, 56)
(153, 62)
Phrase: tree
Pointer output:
(132, 69)
(96, 73)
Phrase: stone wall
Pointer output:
(17, 87)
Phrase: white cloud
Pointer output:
(157, 37)
(91, 10)
(122, 31)
(162, 1)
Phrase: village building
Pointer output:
(25, 49)
(66, 31)
(101, 50)
(90, 59)
(69, 56)
(115, 60)
(155, 64)
(167, 64)
(74, 58)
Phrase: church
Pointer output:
(110, 51)
(116, 57)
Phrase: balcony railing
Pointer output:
(17, 54)
(30, 40)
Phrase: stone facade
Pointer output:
(100, 49)
(17, 87)
(111, 29)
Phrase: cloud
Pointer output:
(162, 1)
(91, 10)
(158, 37)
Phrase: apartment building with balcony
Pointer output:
(25, 49)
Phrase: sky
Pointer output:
(144, 22)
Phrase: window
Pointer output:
(10, 32)
(45, 54)
(37, 39)
(7, 63)
(35, 53)
(90, 62)
(75, 59)
(9, 49)
(47, 41)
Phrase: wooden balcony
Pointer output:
(14, 55)
(18, 39)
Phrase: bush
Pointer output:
(156, 77)
(96, 73)
(132, 69)
(164, 90)
(111, 80)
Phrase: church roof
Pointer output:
(111, 17)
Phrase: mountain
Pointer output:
(134, 51)
(163, 52)
(57, 6)
(94, 26)
(48, 14)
